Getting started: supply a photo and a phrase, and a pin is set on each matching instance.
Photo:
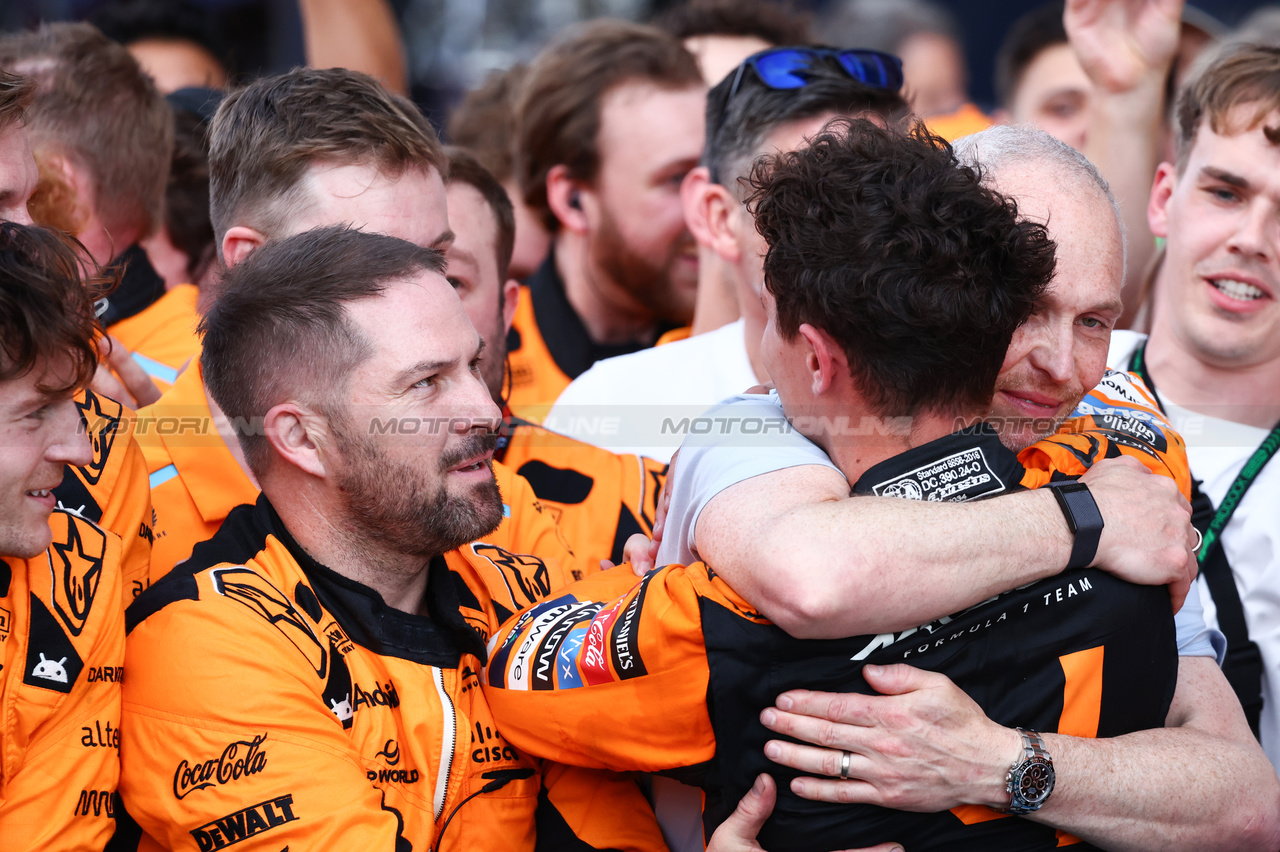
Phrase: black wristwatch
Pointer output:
(1030, 780)
(1083, 518)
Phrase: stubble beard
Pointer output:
(391, 503)
(654, 284)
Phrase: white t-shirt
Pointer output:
(1217, 450)
(643, 403)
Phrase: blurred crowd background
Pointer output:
(451, 45)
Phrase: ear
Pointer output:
(293, 433)
(239, 242)
(510, 301)
(1161, 192)
(711, 212)
(823, 358)
(562, 190)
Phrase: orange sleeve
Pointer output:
(291, 778)
(1119, 417)
(62, 794)
(603, 809)
(595, 675)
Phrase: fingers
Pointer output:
(135, 379)
(834, 790)
(1179, 590)
(106, 384)
(738, 832)
(637, 552)
(825, 762)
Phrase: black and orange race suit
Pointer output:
(61, 668)
(273, 704)
(670, 675)
(112, 490)
(598, 498)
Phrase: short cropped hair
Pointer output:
(1242, 75)
(558, 111)
(485, 122)
(464, 168)
(279, 330)
(46, 306)
(95, 105)
(737, 132)
(767, 20)
(1030, 35)
(16, 93)
(921, 274)
(266, 135)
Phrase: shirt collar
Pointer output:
(969, 464)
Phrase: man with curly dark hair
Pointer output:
(895, 280)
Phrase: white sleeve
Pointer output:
(743, 437)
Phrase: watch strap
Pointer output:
(1033, 752)
(1083, 518)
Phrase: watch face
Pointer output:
(1035, 783)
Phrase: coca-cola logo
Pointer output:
(238, 760)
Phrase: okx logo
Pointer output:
(241, 825)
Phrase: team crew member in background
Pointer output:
(598, 499)
(111, 489)
(772, 102)
(334, 631)
(610, 121)
(290, 153)
(484, 124)
(683, 638)
(1054, 356)
(61, 597)
(1213, 357)
(102, 136)
(720, 34)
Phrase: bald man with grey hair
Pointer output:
(1003, 145)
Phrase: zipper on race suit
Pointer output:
(448, 742)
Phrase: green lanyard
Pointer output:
(1248, 473)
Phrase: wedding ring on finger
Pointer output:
(1199, 540)
(844, 765)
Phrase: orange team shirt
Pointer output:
(163, 337)
(275, 703)
(112, 490)
(61, 670)
(196, 482)
(534, 378)
(598, 498)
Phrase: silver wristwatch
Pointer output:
(1030, 780)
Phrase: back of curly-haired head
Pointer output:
(882, 239)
